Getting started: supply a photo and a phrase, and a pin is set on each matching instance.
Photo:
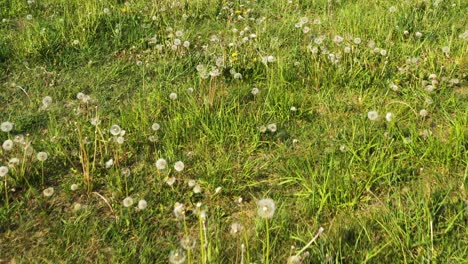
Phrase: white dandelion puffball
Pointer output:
(13, 162)
(179, 166)
(294, 260)
(42, 156)
(235, 229)
(177, 256)
(6, 126)
(272, 127)
(179, 210)
(3, 171)
(48, 192)
(373, 115)
(161, 164)
(7, 145)
(155, 126)
(171, 181)
(197, 189)
(46, 101)
(271, 58)
(74, 187)
(266, 208)
(127, 202)
(120, 140)
(115, 130)
(255, 91)
(142, 204)
(109, 163)
(423, 112)
(187, 242)
(389, 117)
(173, 96)
(218, 189)
(191, 183)
(29, 17)
(418, 34)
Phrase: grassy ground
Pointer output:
(386, 188)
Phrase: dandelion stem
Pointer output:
(267, 253)
(6, 193)
(319, 232)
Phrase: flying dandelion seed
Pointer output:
(177, 256)
(4, 171)
(7, 145)
(42, 156)
(179, 166)
(142, 204)
(6, 126)
(115, 130)
(48, 192)
(373, 115)
(161, 164)
(266, 208)
(128, 201)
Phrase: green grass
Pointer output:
(384, 192)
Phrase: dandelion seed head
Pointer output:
(74, 187)
(29, 17)
(266, 208)
(235, 229)
(423, 113)
(128, 201)
(179, 166)
(418, 34)
(115, 130)
(6, 126)
(177, 256)
(179, 210)
(187, 242)
(170, 181)
(4, 171)
(272, 127)
(7, 145)
(389, 117)
(218, 189)
(109, 163)
(255, 91)
(294, 260)
(120, 140)
(42, 156)
(197, 189)
(161, 164)
(392, 9)
(48, 192)
(46, 101)
(373, 115)
(142, 204)
(173, 96)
